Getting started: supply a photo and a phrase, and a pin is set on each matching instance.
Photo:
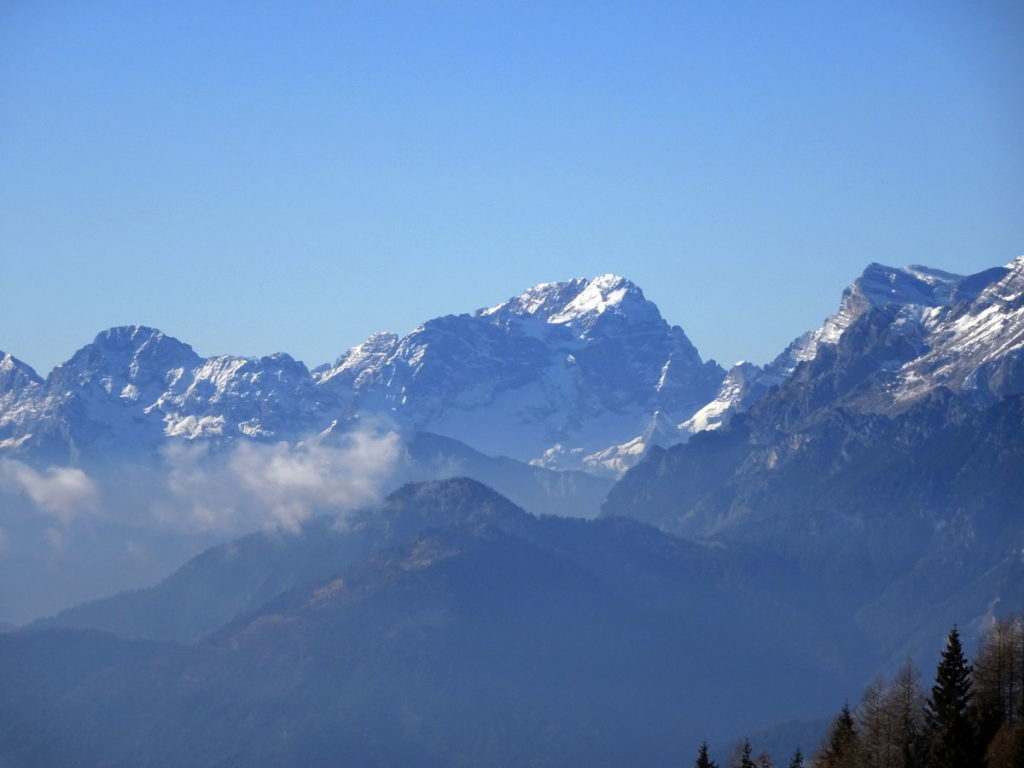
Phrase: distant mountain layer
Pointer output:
(890, 460)
(539, 490)
(241, 575)
(464, 632)
(552, 375)
(134, 540)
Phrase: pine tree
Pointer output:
(741, 757)
(952, 742)
(798, 759)
(841, 744)
(703, 761)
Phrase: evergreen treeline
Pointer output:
(972, 717)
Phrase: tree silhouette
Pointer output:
(703, 761)
(741, 758)
(841, 744)
(951, 737)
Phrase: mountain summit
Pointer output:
(900, 333)
(579, 304)
(551, 375)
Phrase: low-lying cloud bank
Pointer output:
(63, 492)
(193, 490)
(68, 535)
(258, 486)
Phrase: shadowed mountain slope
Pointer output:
(496, 638)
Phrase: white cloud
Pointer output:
(255, 485)
(63, 492)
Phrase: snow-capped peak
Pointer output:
(379, 343)
(1009, 286)
(16, 378)
(130, 351)
(543, 300)
(576, 303)
(131, 337)
(363, 359)
(12, 366)
(131, 343)
(881, 285)
(599, 295)
(878, 286)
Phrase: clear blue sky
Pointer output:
(261, 176)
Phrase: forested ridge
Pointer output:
(970, 716)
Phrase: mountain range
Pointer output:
(550, 376)
(809, 522)
(137, 453)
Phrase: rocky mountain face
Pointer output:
(888, 460)
(919, 328)
(552, 375)
(132, 388)
(901, 335)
